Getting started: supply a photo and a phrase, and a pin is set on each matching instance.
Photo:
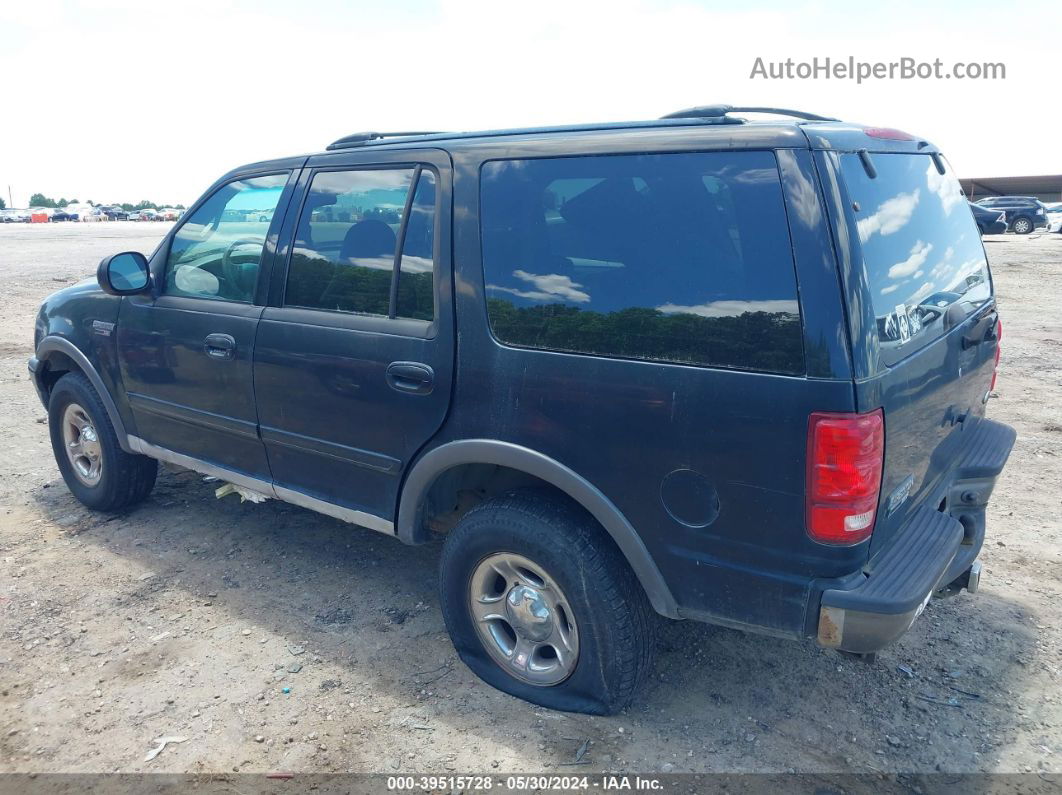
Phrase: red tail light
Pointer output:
(845, 454)
(995, 367)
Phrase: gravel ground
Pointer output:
(191, 616)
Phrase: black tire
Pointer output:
(1021, 225)
(124, 479)
(616, 624)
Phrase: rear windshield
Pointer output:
(921, 248)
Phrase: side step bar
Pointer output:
(360, 518)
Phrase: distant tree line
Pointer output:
(40, 200)
(320, 283)
(767, 341)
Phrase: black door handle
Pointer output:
(413, 377)
(220, 346)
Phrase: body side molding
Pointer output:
(360, 518)
(492, 451)
(63, 345)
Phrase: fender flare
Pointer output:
(492, 451)
(62, 345)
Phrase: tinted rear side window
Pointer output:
(921, 248)
(680, 258)
(344, 254)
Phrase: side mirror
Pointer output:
(123, 274)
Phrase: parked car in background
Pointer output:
(990, 222)
(18, 216)
(1054, 217)
(62, 215)
(1024, 213)
(627, 405)
(170, 214)
(134, 215)
(148, 214)
(115, 213)
(80, 211)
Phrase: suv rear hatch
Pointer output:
(925, 332)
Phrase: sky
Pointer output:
(123, 101)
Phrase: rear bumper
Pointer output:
(935, 549)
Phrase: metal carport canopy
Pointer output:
(1046, 188)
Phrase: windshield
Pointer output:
(921, 248)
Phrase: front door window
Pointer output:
(217, 252)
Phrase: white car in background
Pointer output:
(1054, 217)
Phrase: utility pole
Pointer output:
(10, 201)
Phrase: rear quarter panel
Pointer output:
(626, 426)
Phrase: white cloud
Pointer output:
(917, 257)
(945, 186)
(891, 216)
(731, 308)
(549, 287)
(412, 264)
(927, 289)
(367, 180)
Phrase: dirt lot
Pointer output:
(190, 616)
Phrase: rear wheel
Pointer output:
(96, 469)
(1022, 226)
(541, 604)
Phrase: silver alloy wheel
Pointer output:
(82, 445)
(523, 619)
(1022, 226)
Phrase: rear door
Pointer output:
(354, 355)
(924, 319)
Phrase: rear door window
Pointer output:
(921, 248)
(680, 258)
(344, 254)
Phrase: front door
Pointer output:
(186, 351)
(353, 359)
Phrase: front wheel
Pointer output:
(541, 604)
(1022, 226)
(95, 467)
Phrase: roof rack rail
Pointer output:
(716, 111)
(362, 138)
